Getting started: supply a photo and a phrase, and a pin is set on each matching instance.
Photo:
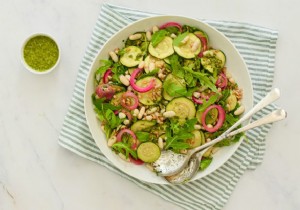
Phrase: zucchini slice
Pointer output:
(190, 48)
(116, 100)
(231, 102)
(142, 125)
(196, 140)
(184, 108)
(148, 152)
(152, 96)
(213, 60)
(132, 56)
(163, 49)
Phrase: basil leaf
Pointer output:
(178, 39)
(142, 136)
(176, 67)
(158, 36)
(174, 90)
(210, 101)
(205, 162)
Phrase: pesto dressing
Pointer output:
(41, 53)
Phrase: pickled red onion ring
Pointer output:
(137, 88)
(130, 132)
(132, 96)
(105, 76)
(170, 24)
(221, 118)
(221, 81)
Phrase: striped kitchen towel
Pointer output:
(256, 44)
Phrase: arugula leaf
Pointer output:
(174, 89)
(204, 80)
(157, 37)
(210, 101)
(104, 67)
(178, 39)
(151, 73)
(142, 136)
(231, 119)
(176, 67)
(205, 162)
(177, 143)
(118, 69)
(190, 80)
(189, 125)
(125, 149)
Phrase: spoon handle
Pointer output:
(268, 99)
(275, 116)
(272, 96)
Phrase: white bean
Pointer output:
(173, 36)
(127, 77)
(141, 64)
(136, 112)
(111, 141)
(185, 39)
(135, 36)
(149, 35)
(124, 80)
(126, 122)
(151, 66)
(141, 113)
(197, 127)
(114, 56)
(155, 29)
(122, 115)
(239, 110)
(196, 94)
(149, 117)
(161, 143)
(195, 45)
(152, 110)
(169, 114)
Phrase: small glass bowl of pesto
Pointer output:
(40, 54)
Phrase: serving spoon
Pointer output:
(170, 163)
(193, 165)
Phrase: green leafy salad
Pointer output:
(166, 89)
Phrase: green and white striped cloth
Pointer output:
(256, 44)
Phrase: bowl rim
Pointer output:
(29, 68)
(87, 97)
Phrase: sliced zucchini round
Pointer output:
(213, 60)
(152, 96)
(231, 102)
(132, 56)
(190, 48)
(163, 49)
(148, 152)
(196, 140)
(116, 100)
(184, 108)
(142, 125)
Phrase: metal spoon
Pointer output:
(191, 169)
(170, 163)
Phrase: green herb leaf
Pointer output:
(174, 89)
(125, 149)
(205, 162)
(104, 67)
(203, 78)
(176, 67)
(151, 73)
(142, 136)
(178, 39)
(210, 101)
(157, 37)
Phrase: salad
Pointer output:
(166, 89)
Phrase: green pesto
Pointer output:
(41, 53)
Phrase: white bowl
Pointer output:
(235, 65)
(29, 68)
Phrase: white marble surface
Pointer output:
(35, 173)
